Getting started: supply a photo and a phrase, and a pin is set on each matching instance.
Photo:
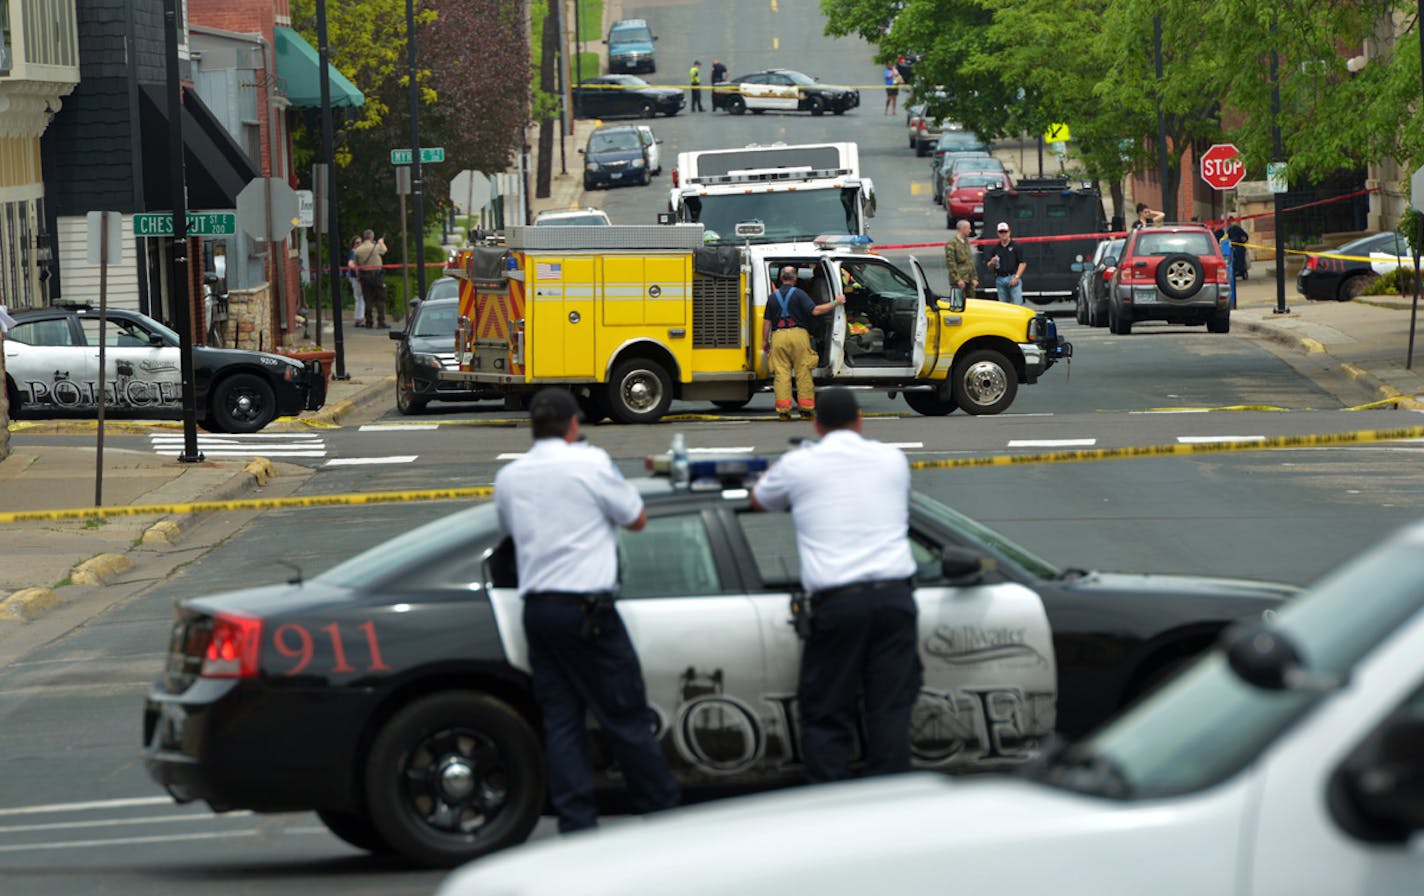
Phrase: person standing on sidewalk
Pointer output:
(694, 77)
(786, 338)
(959, 258)
(354, 276)
(369, 257)
(1007, 263)
(858, 571)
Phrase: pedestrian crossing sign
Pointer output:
(1057, 133)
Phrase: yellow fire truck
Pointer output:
(632, 317)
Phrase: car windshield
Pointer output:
(1208, 724)
(618, 141)
(444, 288)
(1189, 243)
(960, 140)
(800, 215)
(435, 320)
(390, 560)
(798, 78)
(631, 34)
(632, 81)
(987, 538)
(568, 220)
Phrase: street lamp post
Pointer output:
(180, 297)
(328, 155)
(1278, 151)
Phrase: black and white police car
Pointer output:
(782, 90)
(52, 370)
(391, 693)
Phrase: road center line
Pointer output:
(397, 427)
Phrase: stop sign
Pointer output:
(1221, 166)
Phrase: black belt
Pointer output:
(569, 595)
(857, 587)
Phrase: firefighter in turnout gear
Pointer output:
(786, 337)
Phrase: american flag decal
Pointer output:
(545, 270)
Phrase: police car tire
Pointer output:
(12, 396)
(816, 105)
(930, 404)
(226, 416)
(646, 110)
(355, 829)
(431, 725)
(985, 382)
(736, 105)
(631, 374)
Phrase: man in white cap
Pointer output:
(1007, 263)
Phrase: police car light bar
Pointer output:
(711, 473)
(842, 241)
(752, 175)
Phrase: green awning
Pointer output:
(299, 66)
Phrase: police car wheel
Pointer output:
(930, 404)
(736, 105)
(985, 382)
(645, 110)
(639, 391)
(242, 403)
(816, 105)
(354, 829)
(454, 776)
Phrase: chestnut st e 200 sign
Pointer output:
(1221, 166)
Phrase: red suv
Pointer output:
(1172, 272)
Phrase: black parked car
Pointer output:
(1090, 295)
(1342, 279)
(783, 90)
(391, 694)
(625, 95)
(52, 370)
(427, 347)
(615, 155)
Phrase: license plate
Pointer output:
(979, 209)
(615, 175)
(1144, 296)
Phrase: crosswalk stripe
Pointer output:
(274, 445)
(210, 452)
(240, 437)
(397, 427)
(359, 461)
(1052, 443)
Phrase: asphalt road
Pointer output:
(78, 814)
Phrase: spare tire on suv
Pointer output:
(1180, 276)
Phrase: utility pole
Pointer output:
(179, 296)
(1169, 195)
(328, 154)
(1278, 151)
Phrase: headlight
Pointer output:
(637, 163)
(424, 360)
(592, 166)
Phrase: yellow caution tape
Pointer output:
(1226, 444)
(86, 513)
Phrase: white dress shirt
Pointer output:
(850, 499)
(563, 504)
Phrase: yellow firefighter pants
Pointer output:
(791, 355)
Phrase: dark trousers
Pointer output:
(573, 676)
(696, 100)
(373, 290)
(862, 642)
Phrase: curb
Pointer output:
(169, 530)
(1309, 346)
(27, 603)
(331, 417)
(99, 570)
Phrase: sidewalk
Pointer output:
(47, 561)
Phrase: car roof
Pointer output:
(628, 23)
(613, 128)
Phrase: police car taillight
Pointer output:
(234, 647)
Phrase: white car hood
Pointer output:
(919, 833)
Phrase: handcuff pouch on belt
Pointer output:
(597, 608)
(801, 614)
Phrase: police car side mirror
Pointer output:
(964, 566)
(1385, 780)
(156, 340)
(396, 335)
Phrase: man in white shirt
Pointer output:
(562, 503)
(857, 570)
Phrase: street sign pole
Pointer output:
(416, 189)
(402, 188)
(1279, 153)
(318, 218)
(178, 293)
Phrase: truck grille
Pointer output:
(716, 312)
